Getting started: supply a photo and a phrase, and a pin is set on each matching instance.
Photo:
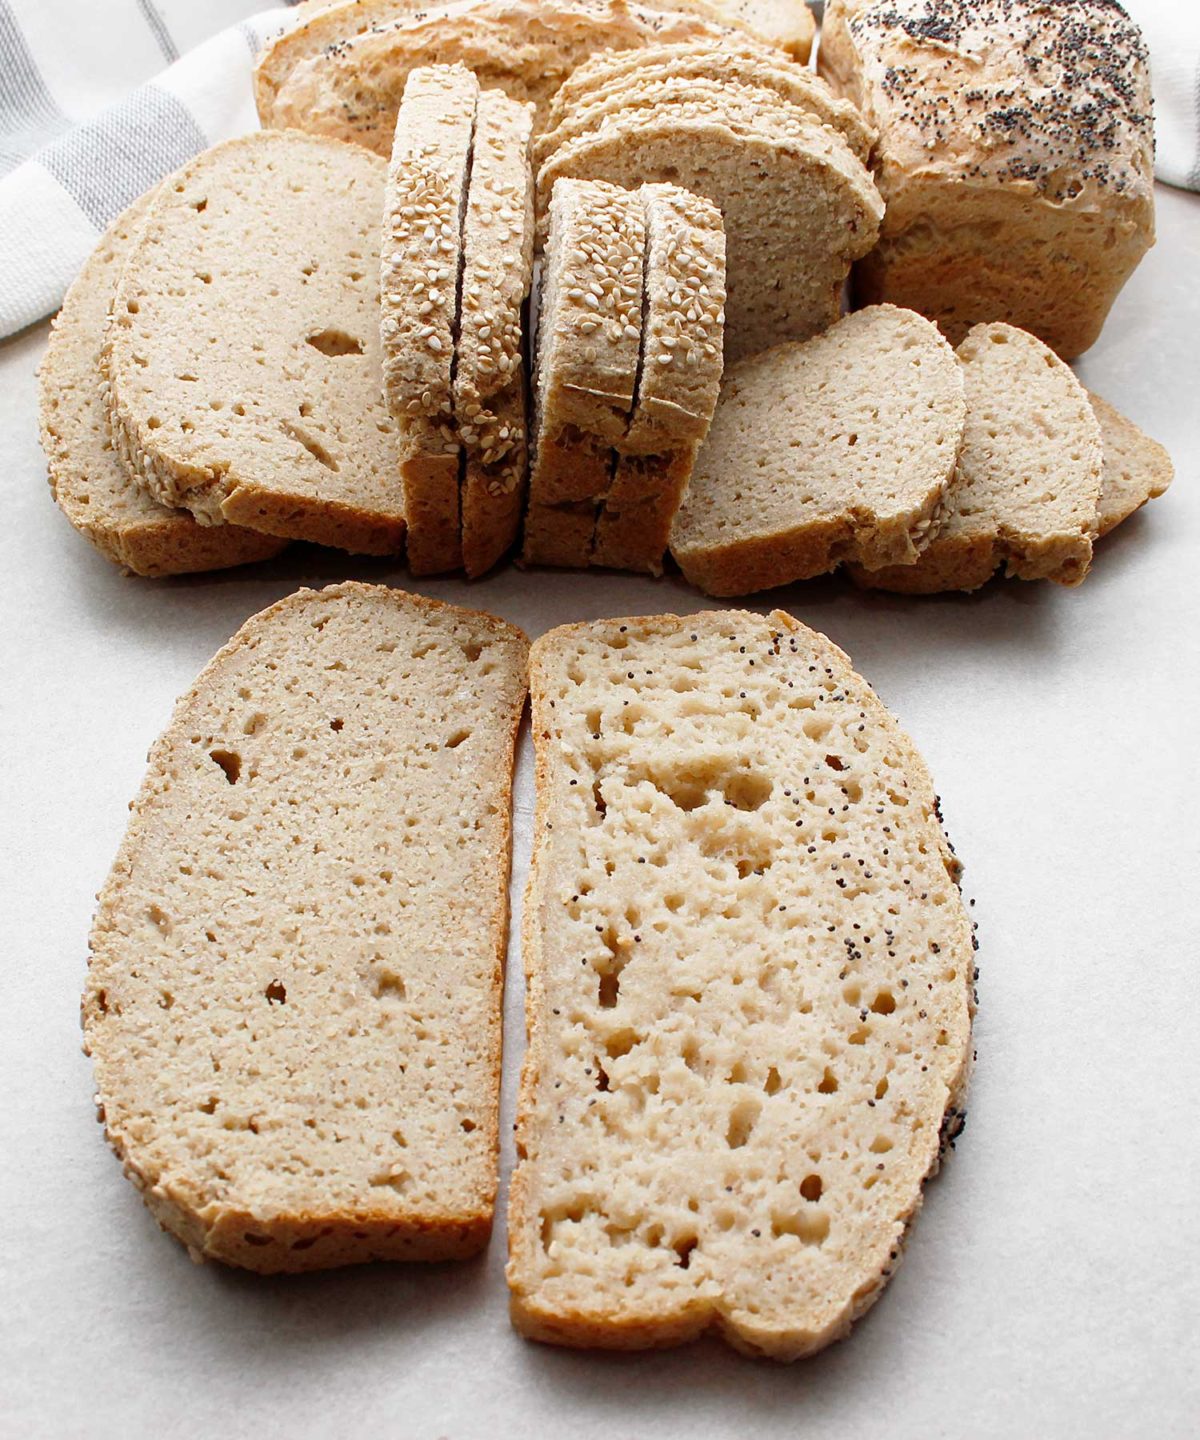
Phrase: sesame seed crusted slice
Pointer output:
(1026, 490)
(497, 264)
(613, 79)
(494, 490)
(421, 279)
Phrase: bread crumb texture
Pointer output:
(750, 980)
(293, 1000)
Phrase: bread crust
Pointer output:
(1015, 156)
(212, 1218)
(595, 1316)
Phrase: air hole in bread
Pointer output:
(313, 446)
(467, 1125)
(276, 993)
(683, 1251)
(880, 1145)
(454, 740)
(335, 342)
(742, 1120)
(609, 989)
(251, 1237)
(812, 1187)
(773, 1082)
(884, 1003)
(828, 1084)
(228, 761)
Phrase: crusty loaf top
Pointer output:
(1050, 94)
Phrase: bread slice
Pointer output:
(527, 48)
(588, 358)
(610, 73)
(749, 989)
(489, 380)
(1135, 468)
(243, 355)
(841, 448)
(679, 378)
(92, 487)
(1027, 487)
(734, 98)
(293, 1001)
(798, 205)
(420, 290)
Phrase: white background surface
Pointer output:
(1051, 1285)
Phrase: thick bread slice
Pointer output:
(798, 206)
(838, 449)
(1136, 468)
(1027, 488)
(293, 1001)
(610, 72)
(243, 354)
(526, 48)
(494, 490)
(733, 98)
(749, 989)
(93, 488)
(420, 288)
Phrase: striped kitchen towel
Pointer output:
(97, 102)
(1172, 31)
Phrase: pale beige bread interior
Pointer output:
(749, 989)
(837, 449)
(527, 48)
(421, 271)
(735, 97)
(679, 379)
(293, 999)
(94, 490)
(325, 31)
(1026, 490)
(243, 353)
(797, 204)
(587, 355)
(1135, 468)
(735, 60)
(1015, 155)
(490, 391)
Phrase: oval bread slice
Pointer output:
(293, 1000)
(243, 356)
(94, 490)
(1026, 490)
(797, 204)
(840, 448)
(749, 989)
(1136, 468)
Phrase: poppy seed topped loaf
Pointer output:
(1015, 156)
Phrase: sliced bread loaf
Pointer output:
(1136, 468)
(527, 48)
(797, 204)
(1026, 491)
(293, 1000)
(840, 448)
(243, 354)
(420, 292)
(749, 989)
(94, 490)
(610, 72)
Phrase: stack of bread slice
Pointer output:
(628, 370)
(456, 265)
(921, 468)
(242, 356)
(342, 72)
(778, 154)
(95, 490)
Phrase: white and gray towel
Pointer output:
(100, 100)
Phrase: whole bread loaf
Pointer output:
(749, 989)
(94, 490)
(841, 448)
(1015, 156)
(351, 90)
(243, 354)
(1025, 493)
(293, 998)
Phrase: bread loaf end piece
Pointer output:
(749, 989)
(293, 998)
(1136, 468)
